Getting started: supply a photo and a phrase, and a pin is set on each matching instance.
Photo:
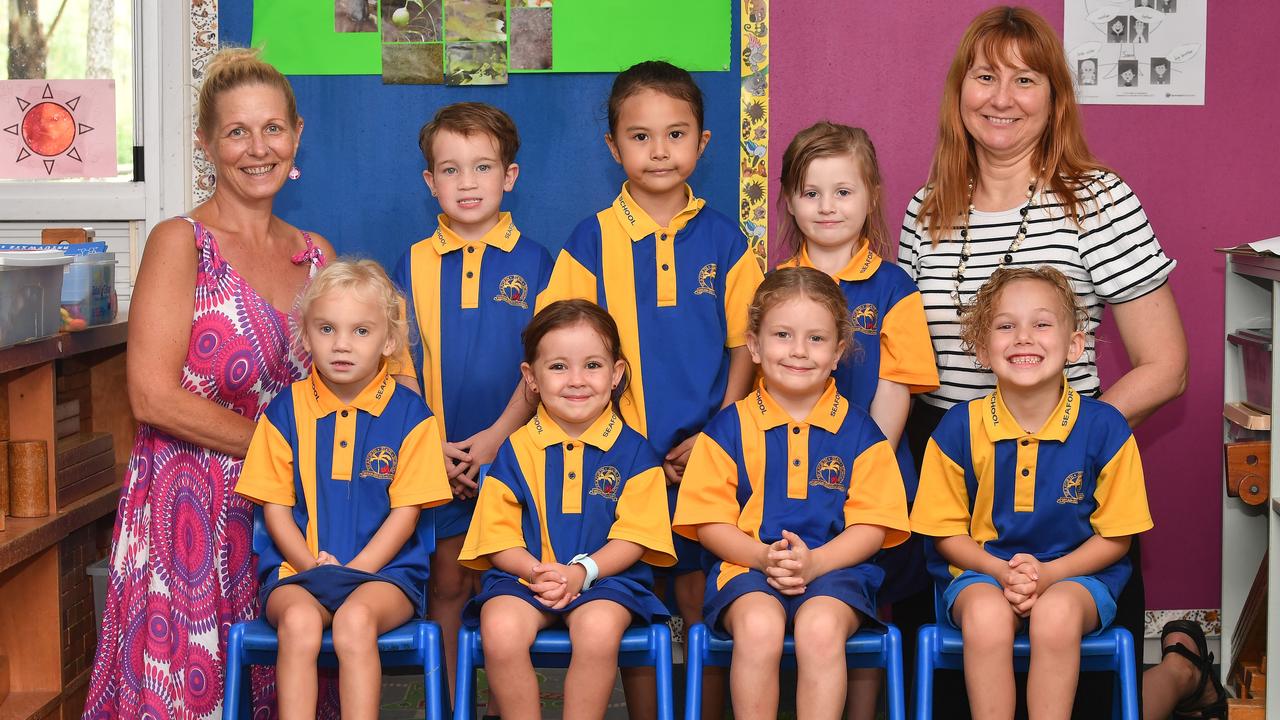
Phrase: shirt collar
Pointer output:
(828, 413)
(862, 265)
(372, 399)
(502, 236)
(1001, 425)
(602, 433)
(638, 223)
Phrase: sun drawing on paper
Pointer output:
(48, 129)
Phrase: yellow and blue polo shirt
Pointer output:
(468, 302)
(342, 468)
(756, 468)
(890, 336)
(679, 295)
(1043, 492)
(558, 496)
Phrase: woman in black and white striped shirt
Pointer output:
(1013, 183)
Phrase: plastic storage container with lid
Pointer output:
(89, 288)
(30, 294)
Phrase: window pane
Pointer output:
(75, 39)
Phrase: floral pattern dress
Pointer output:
(182, 569)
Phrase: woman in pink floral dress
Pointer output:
(209, 346)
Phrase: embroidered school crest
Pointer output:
(514, 291)
(706, 280)
(607, 483)
(380, 463)
(1072, 492)
(830, 473)
(865, 319)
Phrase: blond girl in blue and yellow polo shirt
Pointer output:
(675, 275)
(571, 516)
(471, 287)
(794, 489)
(342, 465)
(1033, 493)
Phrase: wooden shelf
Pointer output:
(22, 538)
(23, 705)
(64, 345)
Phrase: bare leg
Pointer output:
(299, 621)
(1062, 615)
(507, 629)
(757, 623)
(370, 610)
(864, 692)
(1175, 678)
(449, 587)
(988, 624)
(690, 588)
(822, 625)
(595, 631)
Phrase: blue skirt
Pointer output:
(855, 586)
(330, 585)
(641, 601)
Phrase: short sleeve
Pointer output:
(496, 524)
(267, 474)
(906, 350)
(877, 495)
(1118, 245)
(942, 502)
(642, 517)
(420, 477)
(739, 289)
(1121, 495)
(573, 274)
(708, 492)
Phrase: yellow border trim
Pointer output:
(753, 192)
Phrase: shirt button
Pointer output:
(572, 475)
(471, 249)
(342, 444)
(569, 446)
(345, 413)
(666, 266)
(470, 274)
(1026, 443)
(663, 236)
(796, 462)
(795, 431)
(1025, 472)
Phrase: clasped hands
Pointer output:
(555, 585)
(1023, 582)
(789, 566)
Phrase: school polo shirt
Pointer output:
(679, 295)
(343, 467)
(468, 302)
(890, 335)
(1042, 492)
(756, 468)
(558, 496)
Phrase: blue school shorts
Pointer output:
(855, 586)
(1097, 590)
(331, 585)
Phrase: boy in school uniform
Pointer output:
(471, 287)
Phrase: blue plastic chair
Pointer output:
(417, 644)
(641, 647)
(865, 649)
(941, 646)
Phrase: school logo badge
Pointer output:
(830, 473)
(607, 483)
(1072, 492)
(706, 280)
(514, 291)
(380, 463)
(865, 319)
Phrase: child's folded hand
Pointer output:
(325, 558)
(456, 460)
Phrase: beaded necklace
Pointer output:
(1018, 237)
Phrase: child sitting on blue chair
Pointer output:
(569, 518)
(794, 489)
(1033, 493)
(342, 465)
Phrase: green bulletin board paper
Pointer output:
(297, 37)
(612, 35)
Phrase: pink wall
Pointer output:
(1207, 176)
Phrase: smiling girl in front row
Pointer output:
(794, 489)
(568, 520)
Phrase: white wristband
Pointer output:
(589, 565)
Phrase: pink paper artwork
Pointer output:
(57, 129)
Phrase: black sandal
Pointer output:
(1202, 660)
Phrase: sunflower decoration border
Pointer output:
(753, 191)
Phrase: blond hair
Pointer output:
(790, 283)
(368, 280)
(1000, 34)
(975, 317)
(825, 140)
(233, 68)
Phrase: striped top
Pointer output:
(1112, 257)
